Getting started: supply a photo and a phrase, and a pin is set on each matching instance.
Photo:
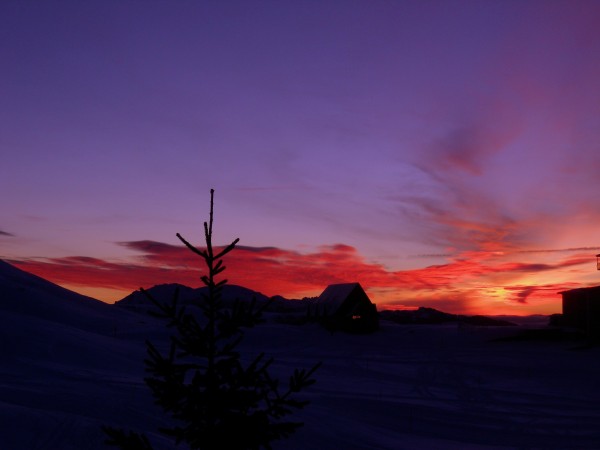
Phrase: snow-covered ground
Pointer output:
(71, 364)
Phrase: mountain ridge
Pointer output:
(30, 289)
(188, 296)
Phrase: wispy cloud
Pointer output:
(562, 250)
(525, 294)
(5, 233)
(272, 188)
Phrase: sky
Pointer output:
(441, 153)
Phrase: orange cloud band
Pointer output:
(462, 285)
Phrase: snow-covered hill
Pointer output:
(230, 294)
(29, 295)
(70, 364)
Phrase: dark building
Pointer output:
(347, 307)
(581, 310)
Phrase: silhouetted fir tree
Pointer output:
(215, 401)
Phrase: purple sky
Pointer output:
(416, 133)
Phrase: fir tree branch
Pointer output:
(191, 247)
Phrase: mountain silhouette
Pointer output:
(231, 293)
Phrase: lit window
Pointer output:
(355, 317)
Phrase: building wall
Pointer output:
(357, 313)
(581, 310)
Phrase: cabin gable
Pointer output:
(347, 307)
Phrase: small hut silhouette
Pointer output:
(347, 307)
(581, 310)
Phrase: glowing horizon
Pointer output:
(440, 153)
(482, 283)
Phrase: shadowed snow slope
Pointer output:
(70, 364)
(30, 295)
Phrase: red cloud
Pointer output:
(458, 286)
(268, 269)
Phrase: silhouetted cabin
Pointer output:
(347, 307)
(581, 310)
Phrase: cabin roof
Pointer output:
(581, 290)
(335, 294)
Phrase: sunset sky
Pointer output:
(441, 153)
